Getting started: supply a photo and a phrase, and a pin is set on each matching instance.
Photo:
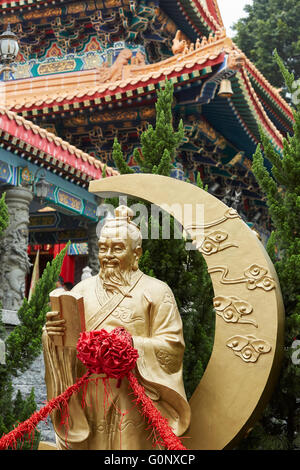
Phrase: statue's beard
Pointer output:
(115, 278)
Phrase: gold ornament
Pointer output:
(235, 387)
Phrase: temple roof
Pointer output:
(69, 26)
(194, 17)
(199, 15)
(91, 106)
(47, 92)
(46, 149)
(255, 101)
(215, 11)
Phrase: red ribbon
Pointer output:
(102, 353)
(27, 427)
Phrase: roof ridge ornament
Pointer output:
(182, 45)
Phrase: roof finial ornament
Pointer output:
(179, 44)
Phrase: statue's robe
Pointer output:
(149, 313)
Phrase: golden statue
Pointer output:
(120, 295)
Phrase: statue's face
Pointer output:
(115, 249)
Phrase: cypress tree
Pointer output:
(279, 426)
(184, 271)
(268, 24)
(159, 144)
(23, 345)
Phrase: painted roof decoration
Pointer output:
(49, 151)
(121, 77)
(89, 71)
(131, 76)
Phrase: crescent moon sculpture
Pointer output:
(248, 344)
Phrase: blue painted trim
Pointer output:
(82, 61)
(89, 202)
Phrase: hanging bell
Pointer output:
(225, 90)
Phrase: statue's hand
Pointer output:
(55, 326)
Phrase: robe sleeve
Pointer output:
(61, 371)
(160, 359)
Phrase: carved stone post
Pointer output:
(93, 249)
(14, 259)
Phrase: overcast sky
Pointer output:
(231, 11)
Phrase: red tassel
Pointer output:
(101, 352)
(28, 426)
(170, 440)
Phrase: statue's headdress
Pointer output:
(123, 219)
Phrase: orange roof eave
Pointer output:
(64, 89)
(273, 92)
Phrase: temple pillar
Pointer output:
(93, 249)
(14, 259)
